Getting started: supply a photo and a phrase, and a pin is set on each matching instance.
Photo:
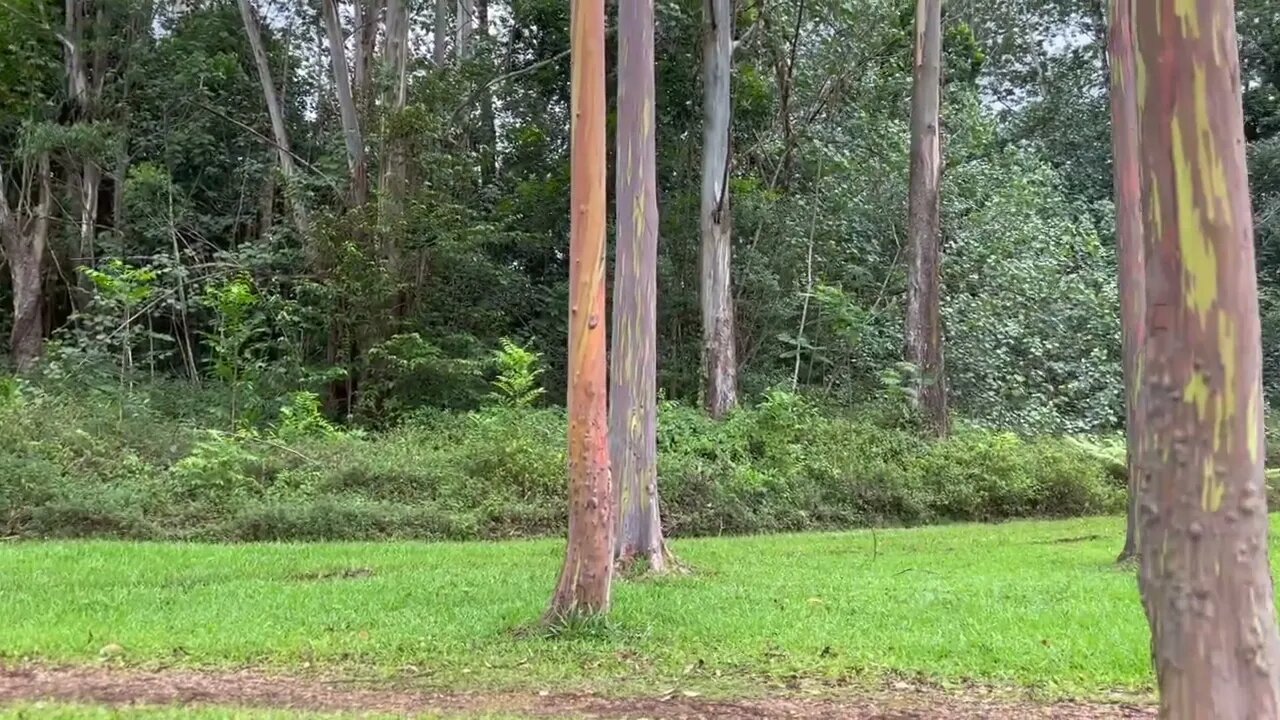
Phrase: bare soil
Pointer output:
(104, 685)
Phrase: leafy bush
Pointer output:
(81, 466)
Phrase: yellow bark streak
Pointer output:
(1139, 65)
(637, 216)
(1199, 261)
(1227, 400)
(1212, 489)
(1189, 16)
(1218, 34)
(1213, 175)
(1197, 393)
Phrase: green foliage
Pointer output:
(517, 382)
(301, 417)
(1030, 303)
(77, 465)
(233, 341)
(406, 373)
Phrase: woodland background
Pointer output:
(227, 347)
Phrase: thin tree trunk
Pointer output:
(367, 27)
(1128, 199)
(440, 37)
(267, 205)
(25, 239)
(487, 135)
(924, 315)
(279, 133)
(633, 408)
(86, 175)
(720, 365)
(120, 176)
(463, 22)
(354, 140)
(392, 185)
(90, 184)
(1205, 572)
(586, 580)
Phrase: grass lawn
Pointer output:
(1030, 604)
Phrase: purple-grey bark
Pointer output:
(633, 412)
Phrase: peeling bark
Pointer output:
(586, 580)
(1205, 571)
(924, 232)
(720, 364)
(633, 411)
(1128, 201)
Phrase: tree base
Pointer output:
(555, 622)
(633, 566)
(1128, 557)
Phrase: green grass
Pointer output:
(60, 711)
(1034, 605)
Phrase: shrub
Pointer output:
(81, 466)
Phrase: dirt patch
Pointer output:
(1076, 539)
(110, 686)
(339, 574)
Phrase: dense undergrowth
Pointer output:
(85, 463)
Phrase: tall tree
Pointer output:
(1205, 572)
(347, 111)
(1128, 201)
(24, 232)
(720, 364)
(440, 36)
(586, 580)
(633, 395)
(85, 76)
(924, 232)
(366, 30)
(279, 133)
(394, 180)
(463, 22)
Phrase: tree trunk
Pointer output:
(86, 175)
(25, 239)
(280, 134)
(440, 39)
(585, 582)
(356, 165)
(633, 408)
(720, 365)
(90, 183)
(463, 23)
(392, 185)
(924, 315)
(1128, 199)
(1205, 573)
(487, 133)
(367, 28)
